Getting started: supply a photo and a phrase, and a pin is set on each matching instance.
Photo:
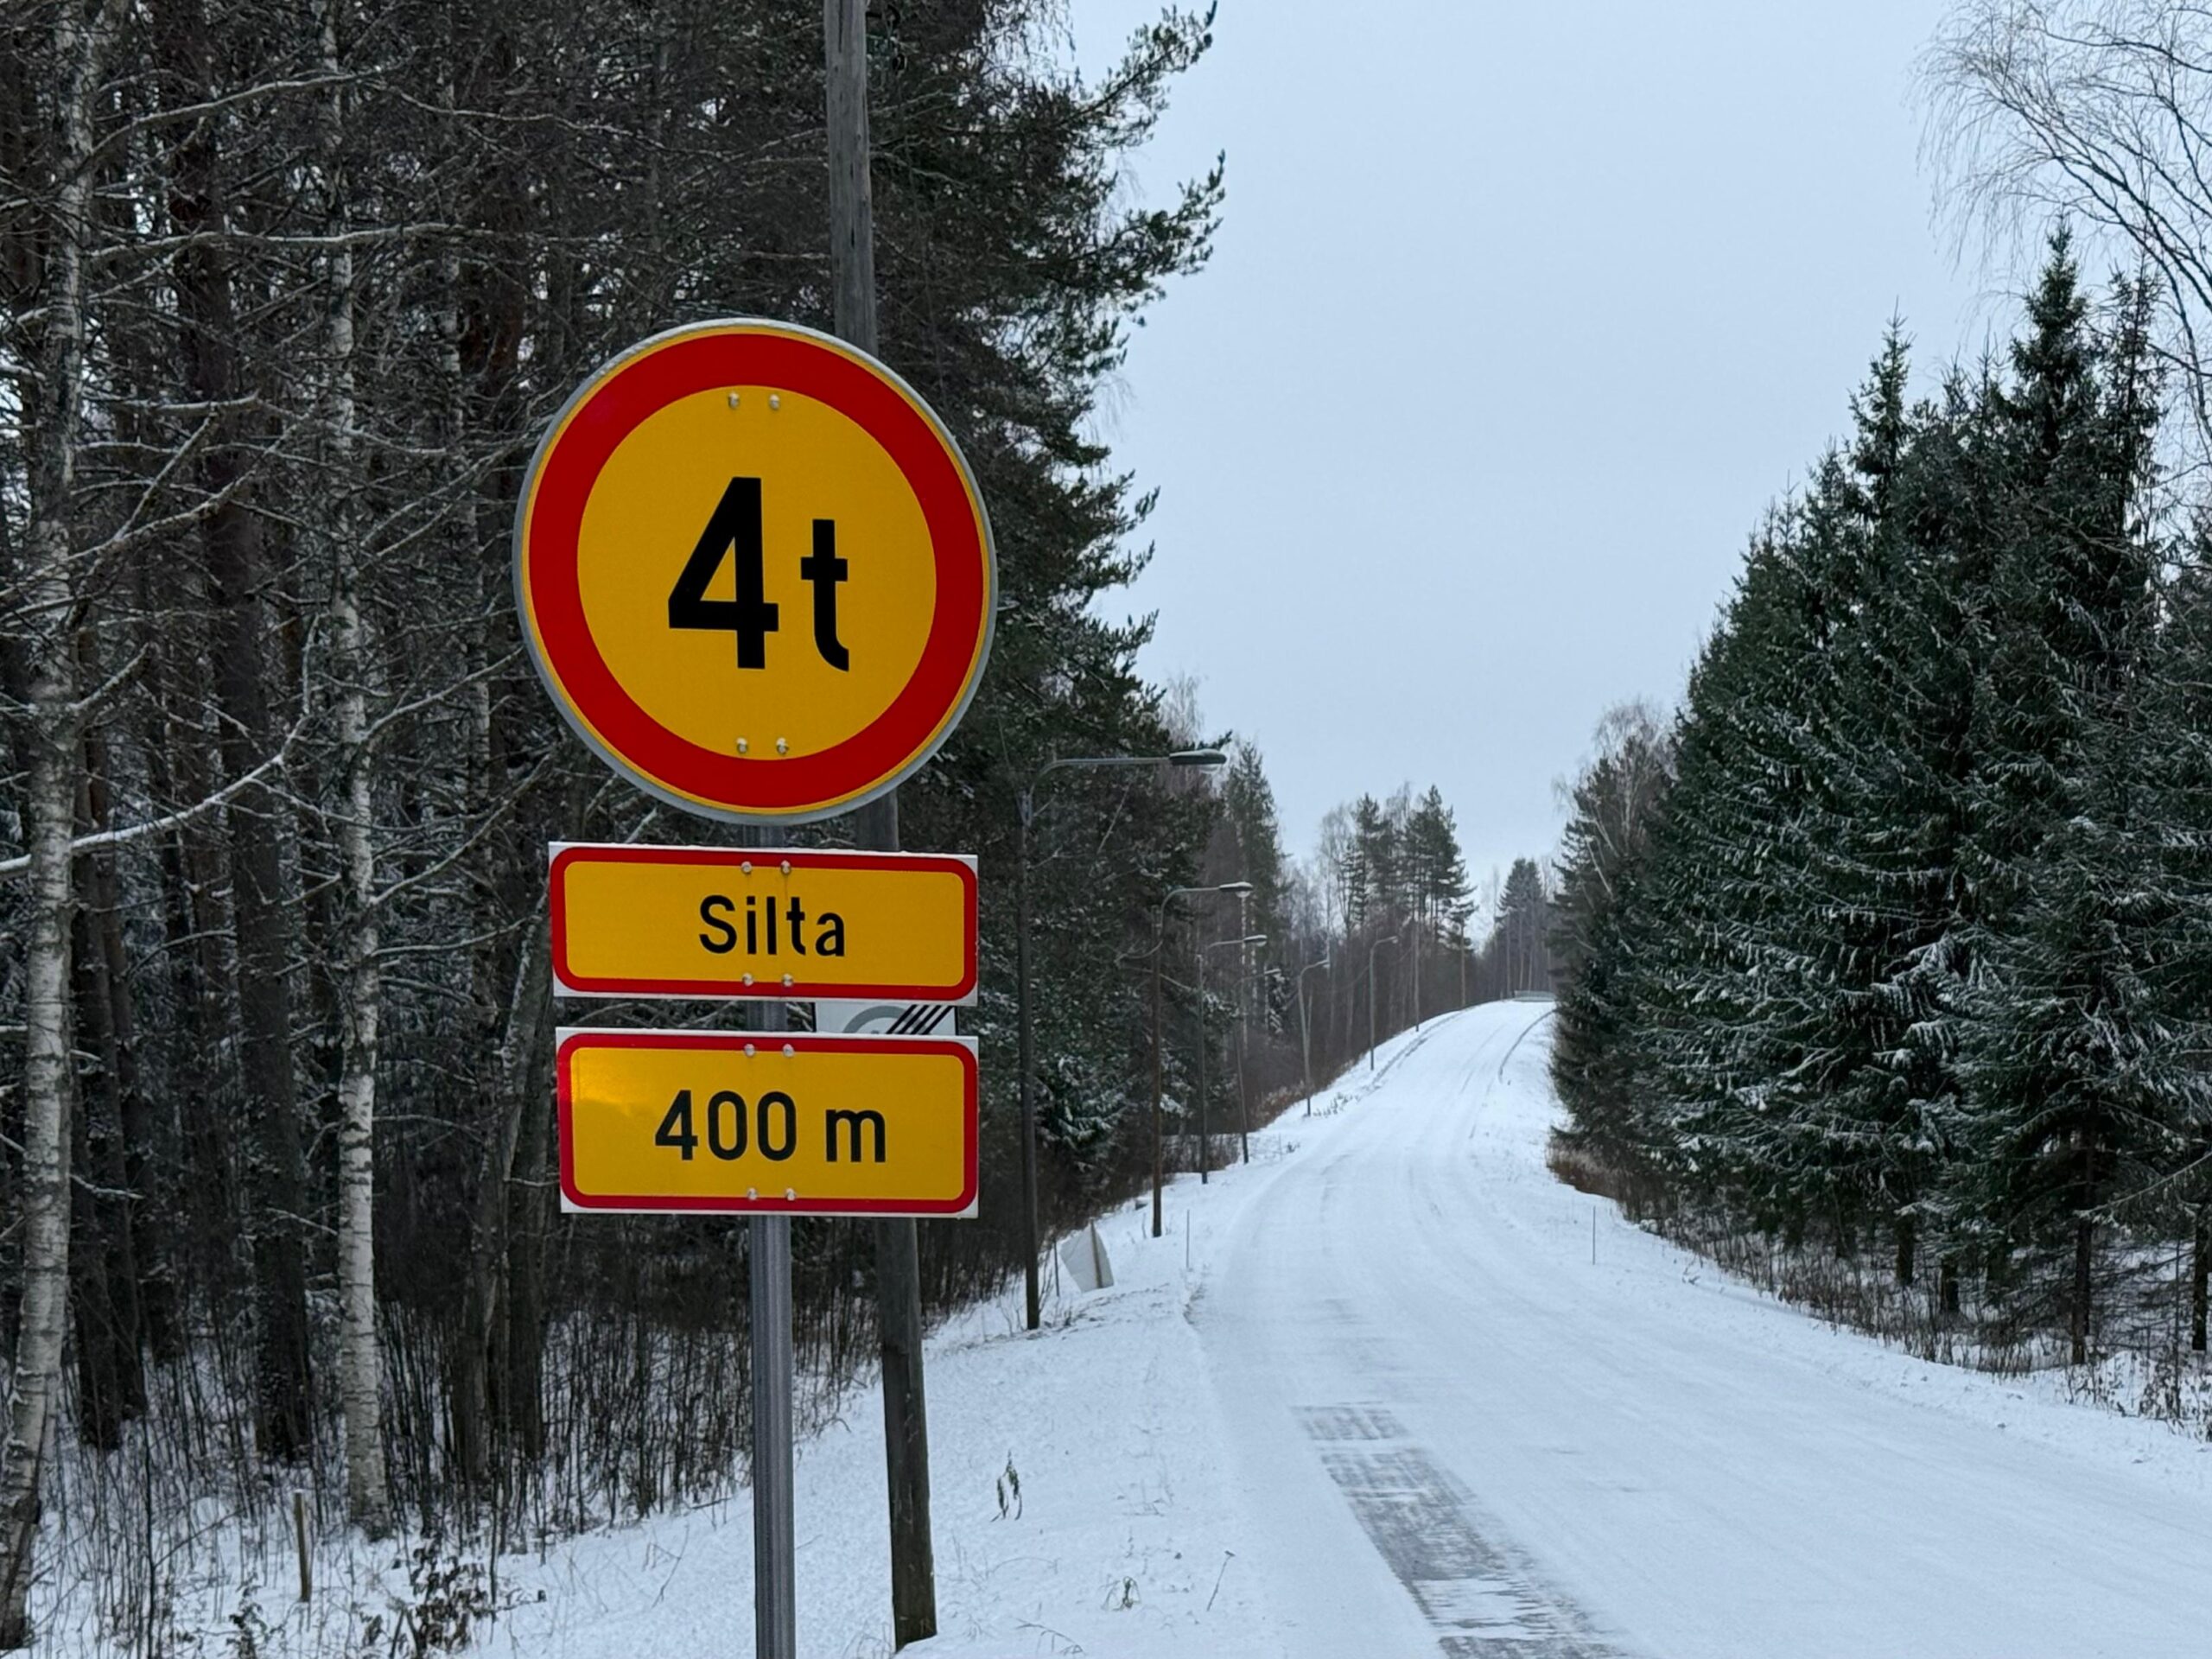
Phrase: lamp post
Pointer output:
(1244, 1071)
(1305, 1032)
(1205, 1145)
(1159, 1031)
(1250, 989)
(1028, 804)
(1416, 932)
(1372, 949)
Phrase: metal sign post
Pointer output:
(775, 1595)
(862, 589)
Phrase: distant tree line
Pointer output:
(1372, 933)
(1898, 939)
(288, 292)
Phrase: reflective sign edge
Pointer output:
(962, 993)
(813, 813)
(961, 1209)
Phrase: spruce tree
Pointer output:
(1905, 765)
(1604, 853)
(1436, 872)
(1721, 952)
(1372, 876)
(1877, 839)
(2071, 1096)
(1247, 803)
(2180, 778)
(1525, 923)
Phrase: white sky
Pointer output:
(1520, 315)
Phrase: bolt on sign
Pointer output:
(766, 1124)
(754, 571)
(715, 922)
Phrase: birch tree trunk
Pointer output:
(49, 814)
(368, 1498)
(35, 1385)
(361, 1367)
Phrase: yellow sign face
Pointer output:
(715, 922)
(762, 1122)
(755, 572)
(835, 652)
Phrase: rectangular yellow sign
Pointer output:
(754, 1122)
(723, 922)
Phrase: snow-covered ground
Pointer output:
(1370, 1395)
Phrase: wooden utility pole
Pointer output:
(898, 1264)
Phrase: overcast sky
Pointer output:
(1520, 315)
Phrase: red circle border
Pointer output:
(559, 488)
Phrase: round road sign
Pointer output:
(754, 571)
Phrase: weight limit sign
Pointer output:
(755, 572)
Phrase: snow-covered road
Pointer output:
(1371, 1398)
(1456, 1434)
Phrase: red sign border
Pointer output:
(548, 516)
(799, 1042)
(717, 990)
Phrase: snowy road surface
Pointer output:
(1509, 1452)
(1371, 1398)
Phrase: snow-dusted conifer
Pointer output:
(2073, 1087)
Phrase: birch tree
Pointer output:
(368, 1498)
(2097, 111)
(49, 601)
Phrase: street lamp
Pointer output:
(1305, 1031)
(1416, 932)
(1372, 949)
(1159, 950)
(1250, 987)
(1206, 1146)
(1028, 804)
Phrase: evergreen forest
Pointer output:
(1895, 946)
